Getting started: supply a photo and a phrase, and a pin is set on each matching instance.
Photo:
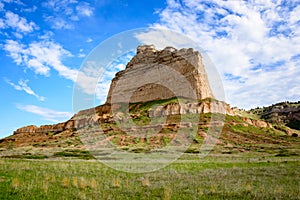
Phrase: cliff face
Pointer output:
(154, 74)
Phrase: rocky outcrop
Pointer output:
(56, 128)
(258, 123)
(160, 74)
(194, 108)
(284, 113)
(26, 129)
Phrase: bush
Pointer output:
(294, 135)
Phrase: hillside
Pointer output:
(284, 113)
(239, 134)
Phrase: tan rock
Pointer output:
(154, 74)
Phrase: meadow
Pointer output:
(242, 176)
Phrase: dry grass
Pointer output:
(75, 182)
(45, 186)
(116, 183)
(146, 182)
(83, 183)
(65, 182)
(93, 183)
(167, 193)
(15, 183)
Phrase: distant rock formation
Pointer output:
(149, 69)
(284, 113)
(56, 128)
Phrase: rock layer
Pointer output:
(195, 108)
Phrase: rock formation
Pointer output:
(152, 68)
(153, 74)
(284, 113)
(148, 77)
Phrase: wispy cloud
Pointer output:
(22, 86)
(81, 55)
(1, 6)
(59, 23)
(45, 55)
(256, 42)
(64, 12)
(47, 114)
(104, 82)
(18, 23)
(41, 57)
(84, 9)
(89, 40)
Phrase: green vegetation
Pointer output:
(76, 153)
(213, 177)
(27, 156)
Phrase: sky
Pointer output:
(254, 45)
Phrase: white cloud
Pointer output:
(14, 1)
(22, 86)
(162, 38)
(19, 23)
(46, 36)
(60, 5)
(15, 50)
(89, 40)
(251, 43)
(81, 55)
(84, 9)
(65, 13)
(59, 23)
(47, 114)
(1, 6)
(41, 57)
(45, 55)
(88, 77)
(2, 24)
(29, 10)
(103, 84)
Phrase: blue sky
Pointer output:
(255, 45)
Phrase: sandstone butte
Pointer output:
(149, 76)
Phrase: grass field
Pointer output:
(246, 176)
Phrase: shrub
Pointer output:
(294, 135)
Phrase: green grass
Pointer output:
(27, 156)
(214, 177)
(76, 153)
